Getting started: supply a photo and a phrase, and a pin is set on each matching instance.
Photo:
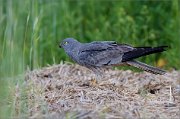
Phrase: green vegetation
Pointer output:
(32, 29)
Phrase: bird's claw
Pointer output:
(93, 82)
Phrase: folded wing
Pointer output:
(102, 53)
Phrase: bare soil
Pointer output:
(70, 91)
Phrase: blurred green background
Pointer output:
(32, 29)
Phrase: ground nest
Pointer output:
(69, 91)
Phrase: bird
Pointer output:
(97, 55)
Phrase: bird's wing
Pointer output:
(103, 42)
(102, 53)
(97, 45)
(142, 51)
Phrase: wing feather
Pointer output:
(102, 53)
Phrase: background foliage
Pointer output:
(32, 29)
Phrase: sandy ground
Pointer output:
(69, 91)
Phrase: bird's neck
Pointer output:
(73, 52)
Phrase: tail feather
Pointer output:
(142, 51)
(146, 67)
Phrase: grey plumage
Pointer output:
(146, 67)
(99, 54)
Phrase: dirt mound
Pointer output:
(69, 91)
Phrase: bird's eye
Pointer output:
(65, 43)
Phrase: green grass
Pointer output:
(31, 30)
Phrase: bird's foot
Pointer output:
(93, 82)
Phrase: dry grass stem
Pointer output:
(66, 91)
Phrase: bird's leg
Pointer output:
(98, 75)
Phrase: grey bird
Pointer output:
(99, 54)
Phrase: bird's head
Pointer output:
(68, 43)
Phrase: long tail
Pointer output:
(146, 67)
(142, 51)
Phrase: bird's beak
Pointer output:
(60, 45)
